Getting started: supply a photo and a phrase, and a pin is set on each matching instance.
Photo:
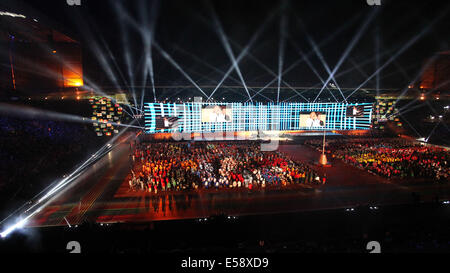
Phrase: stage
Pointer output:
(102, 194)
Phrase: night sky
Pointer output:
(186, 30)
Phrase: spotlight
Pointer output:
(422, 139)
(20, 224)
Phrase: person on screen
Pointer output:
(169, 122)
(218, 115)
(313, 120)
(166, 123)
(224, 113)
(214, 114)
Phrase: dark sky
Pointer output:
(187, 27)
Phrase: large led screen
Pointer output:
(312, 119)
(216, 113)
(252, 117)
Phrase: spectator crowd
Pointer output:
(35, 152)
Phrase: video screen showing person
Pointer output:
(166, 122)
(216, 113)
(312, 120)
(355, 111)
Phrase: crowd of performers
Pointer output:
(187, 166)
(391, 158)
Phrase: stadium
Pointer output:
(224, 127)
